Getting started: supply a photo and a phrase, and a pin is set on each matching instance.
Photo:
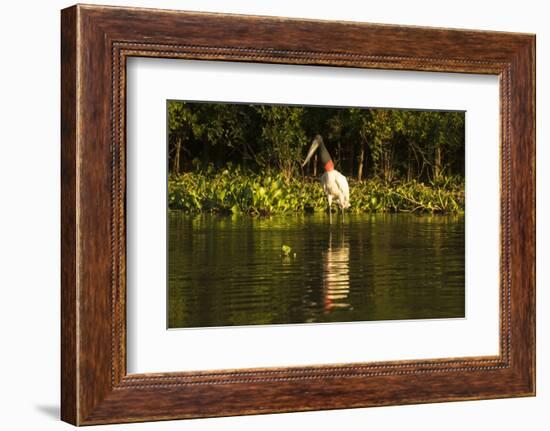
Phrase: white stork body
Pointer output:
(334, 183)
(336, 188)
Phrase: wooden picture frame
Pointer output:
(95, 43)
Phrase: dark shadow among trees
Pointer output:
(390, 144)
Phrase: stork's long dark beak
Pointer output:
(312, 149)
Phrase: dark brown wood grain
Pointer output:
(68, 217)
(96, 41)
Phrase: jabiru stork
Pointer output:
(334, 183)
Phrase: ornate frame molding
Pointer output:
(96, 41)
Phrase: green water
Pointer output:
(226, 271)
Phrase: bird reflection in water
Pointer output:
(335, 274)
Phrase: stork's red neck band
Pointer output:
(329, 166)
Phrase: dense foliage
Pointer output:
(233, 190)
(247, 158)
(364, 143)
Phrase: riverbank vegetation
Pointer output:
(233, 190)
(237, 158)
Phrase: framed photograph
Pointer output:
(264, 214)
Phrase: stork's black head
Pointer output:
(324, 155)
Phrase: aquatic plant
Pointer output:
(286, 249)
(236, 190)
